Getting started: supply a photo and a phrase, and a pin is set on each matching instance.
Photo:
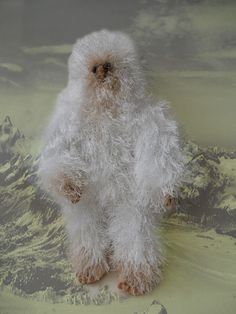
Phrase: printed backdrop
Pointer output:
(188, 51)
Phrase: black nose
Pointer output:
(106, 67)
(94, 69)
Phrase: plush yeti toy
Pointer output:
(111, 157)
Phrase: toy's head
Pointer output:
(107, 65)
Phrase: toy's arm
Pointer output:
(58, 170)
(158, 158)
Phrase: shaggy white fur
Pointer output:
(120, 151)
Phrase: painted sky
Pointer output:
(188, 49)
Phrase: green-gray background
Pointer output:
(188, 50)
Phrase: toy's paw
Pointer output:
(169, 202)
(137, 282)
(91, 274)
(130, 288)
(72, 191)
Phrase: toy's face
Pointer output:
(105, 65)
(103, 74)
(102, 70)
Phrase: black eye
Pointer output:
(107, 66)
(94, 69)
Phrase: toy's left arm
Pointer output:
(159, 161)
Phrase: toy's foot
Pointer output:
(91, 274)
(137, 282)
(169, 202)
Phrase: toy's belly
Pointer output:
(107, 152)
(111, 162)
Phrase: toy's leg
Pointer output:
(88, 240)
(137, 252)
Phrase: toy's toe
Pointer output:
(128, 288)
(138, 281)
(91, 274)
(86, 279)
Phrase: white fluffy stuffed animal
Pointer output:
(111, 157)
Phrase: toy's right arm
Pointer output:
(58, 170)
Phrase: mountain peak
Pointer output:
(9, 135)
(6, 125)
(7, 120)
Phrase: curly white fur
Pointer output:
(117, 143)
